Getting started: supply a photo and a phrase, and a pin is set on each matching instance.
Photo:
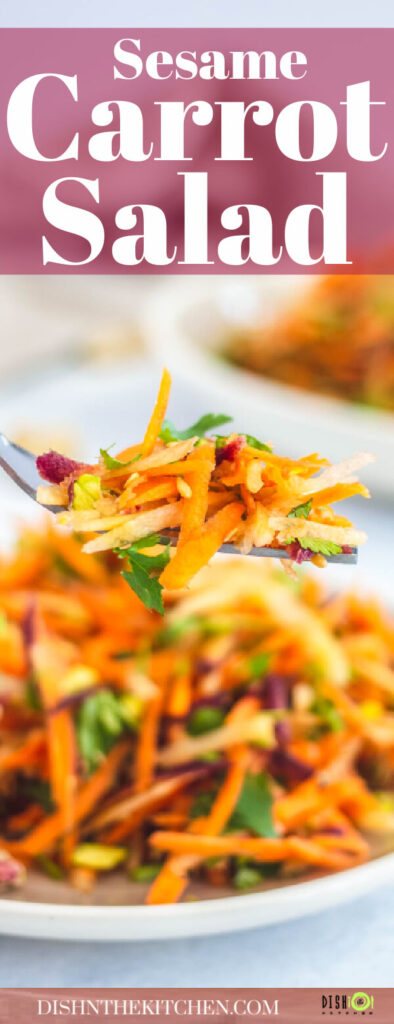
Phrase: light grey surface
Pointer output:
(352, 946)
(197, 12)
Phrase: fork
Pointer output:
(20, 465)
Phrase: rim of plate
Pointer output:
(230, 913)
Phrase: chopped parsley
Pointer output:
(111, 463)
(300, 511)
(316, 544)
(254, 808)
(247, 877)
(258, 664)
(170, 433)
(101, 719)
(331, 720)
(254, 443)
(204, 719)
(142, 575)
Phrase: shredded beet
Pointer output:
(229, 451)
(206, 768)
(275, 693)
(283, 734)
(215, 700)
(299, 554)
(29, 625)
(11, 872)
(205, 665)
(273, 690)
(287, 768)
(55, 468)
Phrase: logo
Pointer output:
(347, 1004)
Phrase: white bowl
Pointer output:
(185, 325)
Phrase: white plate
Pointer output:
(110, 404)
(207, 917)
(185, 325)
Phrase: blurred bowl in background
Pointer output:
(187, 324)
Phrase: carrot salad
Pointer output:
(248, 734)
(209, 490)
(337, 340)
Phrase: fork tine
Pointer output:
(20, 465)
(345, 559)
(229, 549)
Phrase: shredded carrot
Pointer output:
(62, 769)
(196, 508)
(26, 754)
(197, 551)
(248, 690)
(264, 850)
(284, 502)
(43, 837)
(146, 748)
(156, 420)
(164, 889)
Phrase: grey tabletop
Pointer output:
(350, 946)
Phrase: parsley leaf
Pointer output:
(204, 719)
(254, 808)
(331, 718)
(247, 877)
(316, 544)
(258, 664)
(32, 695)
(148, 590)
(254, 443)
(300, 511)
(111, 463)
(170, 433)
(147, 562)
(49, 867)
(144, 568)
(101, 719)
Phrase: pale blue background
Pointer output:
(310, 13)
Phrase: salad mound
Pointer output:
(249, 734)
(337, 340)
(209, 488)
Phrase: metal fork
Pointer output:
(20, 465)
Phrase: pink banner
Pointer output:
(288, 1005)
(196, 151)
